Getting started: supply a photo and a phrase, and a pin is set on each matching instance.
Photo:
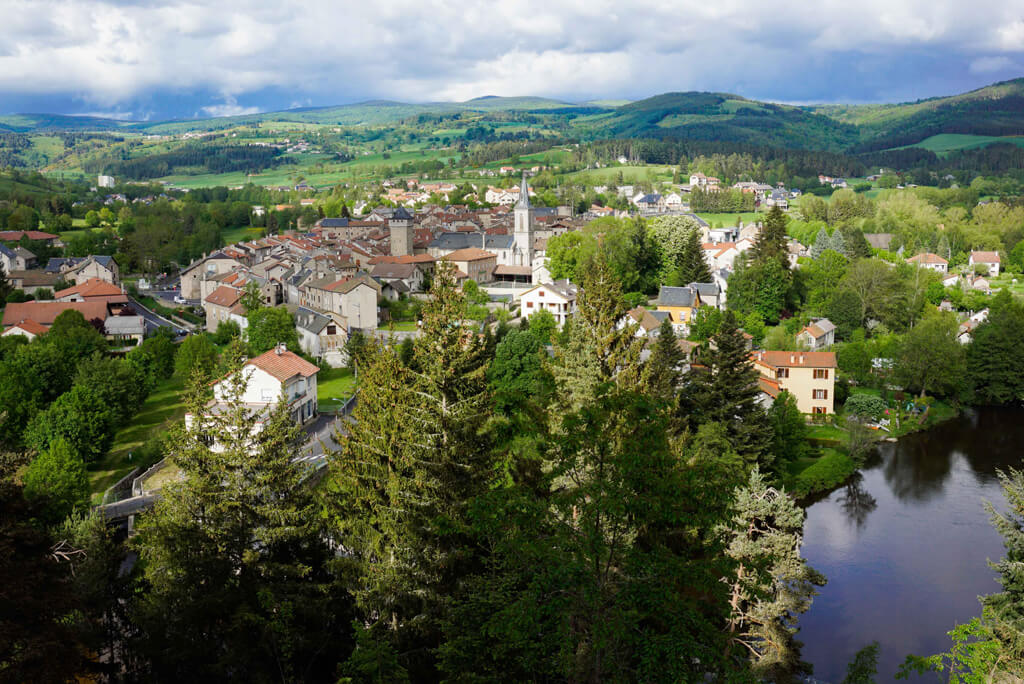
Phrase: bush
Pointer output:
(827, 472)
(865, 406)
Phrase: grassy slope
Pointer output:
(944, 143)
(333, 387)
(163, 408)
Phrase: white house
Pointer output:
(989, 259)
(274, 376)
(558, 297)
(930, 261)
(819, 334)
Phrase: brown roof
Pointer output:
(513, 270)
(283, 365)
(985, 257)
(346, 285)
(35, 278)
(31, 327)
(15, 235)
(926, 258)
(470, 254)
(93, 287)
(393, 270)
(44, 313)
(224, 296)
(769, 386)
(785, 359)
(642, 316)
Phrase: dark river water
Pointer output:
(905, 546)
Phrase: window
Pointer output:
(332, 330)
(540, 293)
(782, 373)
(821, 394)
(529, 305)
(819, 409)
(821, 374)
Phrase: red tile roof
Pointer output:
(283, 365)
(31, 326)
(44, 313)
(15, 235)
(470, 254)
(224, 296)
(985, 257)
(785, 359)
(93, 287)
(926, 258)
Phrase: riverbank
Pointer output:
(832, 464)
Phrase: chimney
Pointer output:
(801, 359)
(792, 358)
(279, 349)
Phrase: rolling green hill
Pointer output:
(721, 116)
(995, 110)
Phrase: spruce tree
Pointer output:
(821, 243)
(771, 585)
(771, 242)
(411, 463)
(236, 564)
(1004, 611)
(661, 373)
(595, 350)
(692, 267)
(723, 388)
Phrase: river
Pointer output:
(905, 545)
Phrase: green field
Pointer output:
(630, 174)
(162, 409)
(944, 143)
(333, 388)
(730, 220)
(240, 234)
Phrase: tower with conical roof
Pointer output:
(523, 233)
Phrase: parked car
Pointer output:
(178, 299)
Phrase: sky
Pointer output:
(159, 59)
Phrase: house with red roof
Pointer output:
(989, 259)
(809, 376)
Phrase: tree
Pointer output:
(931, 359)
(56, 478)
(270, 326)
(236, 565)
(37, 643)
(865, 406)
(705, 323)
(543, 326)
(864, 667)
(771, 243)
(412, 462)
(517, 373)
(670, 234)
(789, 431)
(92, 219)
(252, 297)
(993, 358)
(81, 417)
(691, 266)
(155, 356)
(771, 585)
(725, 390)
(661, 374)
(872, 283)
(226, 331)
(5, 285)
(196, 355)
(760, 287)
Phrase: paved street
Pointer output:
(153, 321)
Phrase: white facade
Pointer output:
(547, 298)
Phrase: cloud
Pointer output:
(988, 65)
(230, 108)
(110, 54)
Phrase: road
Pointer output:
(153, 321)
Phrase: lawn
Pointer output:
(944, 143)
(241, 234)
(163, 408)
(403, 326)
(730, 220)
(333, 388)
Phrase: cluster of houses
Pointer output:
(981, 268)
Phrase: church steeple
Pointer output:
(524, 194)
(523, 232)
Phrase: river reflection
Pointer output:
(904, 545)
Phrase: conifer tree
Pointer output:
(821, 243)
(661, 373)
(771, 585)
(595, 351)
(414, 458)
(692, 267)
(771, 241)
(237, 567)
(724, 389)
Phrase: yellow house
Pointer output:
(809, 376)
(680, 303)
